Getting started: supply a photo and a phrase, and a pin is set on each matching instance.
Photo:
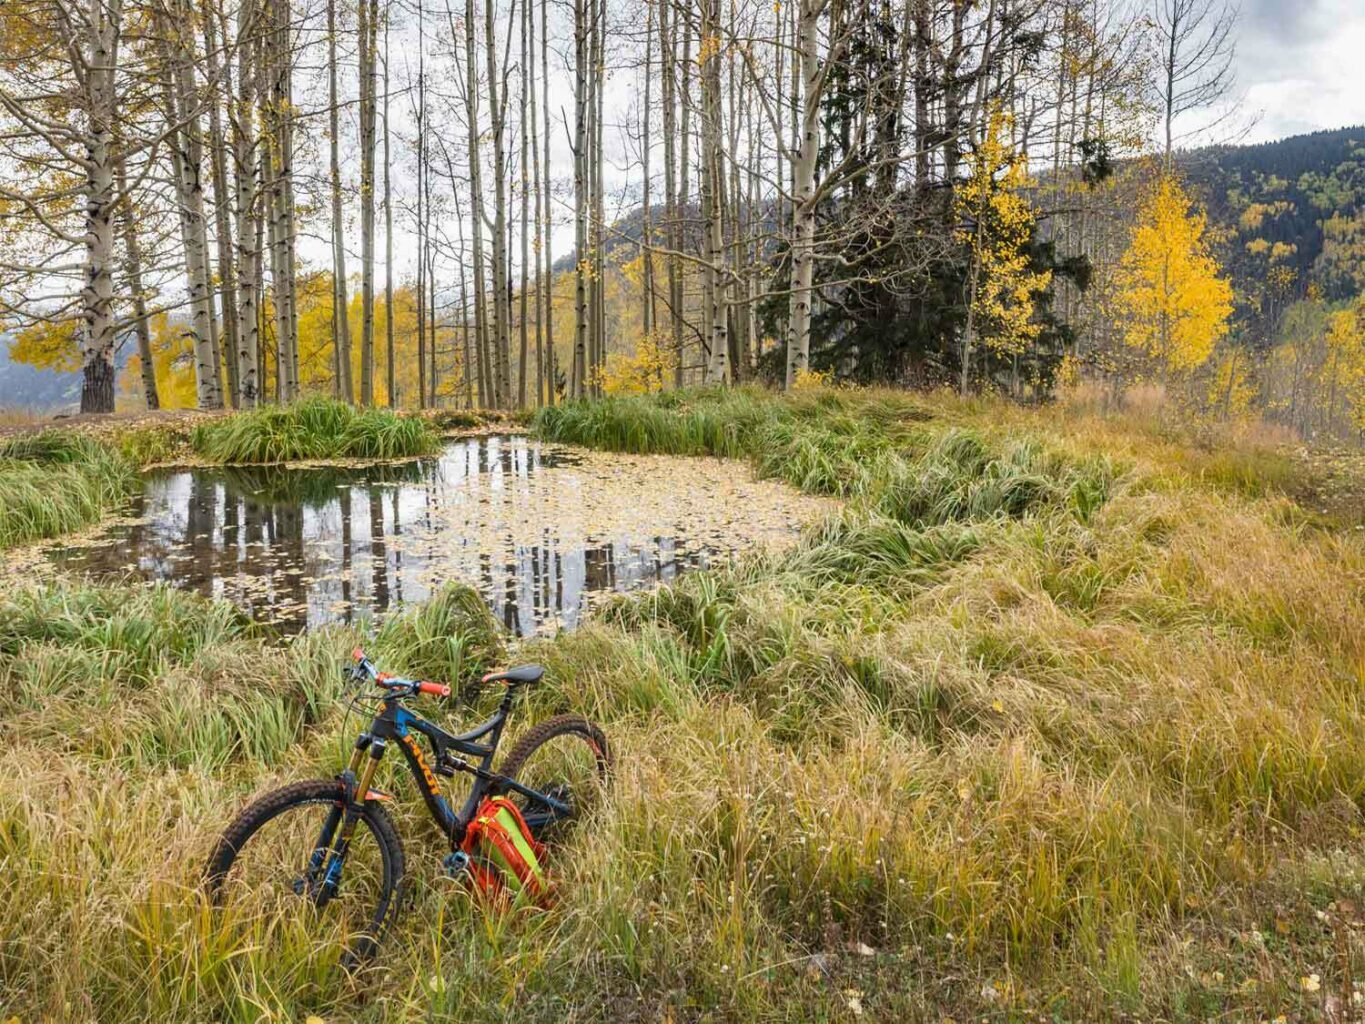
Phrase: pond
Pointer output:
(539, 530)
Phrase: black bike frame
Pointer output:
(395, 723)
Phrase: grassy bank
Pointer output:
(316, 428)
(53, 482)
(1053, 720)
(58, 480)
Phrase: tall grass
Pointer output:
(1041, 726)
(56, 481)
(316, 428)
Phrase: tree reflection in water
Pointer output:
(537, 530)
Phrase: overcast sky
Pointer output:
(1301, 65)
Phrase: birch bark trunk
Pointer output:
(542, 282)
(523, 179)
(186, 153)
(133, 267)
(803, 205)
(668, 86)
(580, 192)
(245, 161)
(485, 375)
(549, 219)
(497, 105)
(341, 320)
(708, 57)
(101, 46)
(219, 83)
(369, 16)
(391, 379)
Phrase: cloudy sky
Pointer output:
(1301, 65)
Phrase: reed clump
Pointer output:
(56, 481)
(315, 428)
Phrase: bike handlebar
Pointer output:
(394, 683)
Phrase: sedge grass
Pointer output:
(57, 481)
(315, 428)
(1040, 726)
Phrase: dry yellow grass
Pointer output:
(1056, 721)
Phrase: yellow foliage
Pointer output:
(1342, 262)
(1232, 391)
(1256, 213)
(48, 346)
(1068, 374)
(647, 369)
(1346, 348)
(808, 378)
(1171, 290)
(996, 221)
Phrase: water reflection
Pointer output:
(537, 530)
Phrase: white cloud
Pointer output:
(1300, 65)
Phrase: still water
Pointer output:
(540, 531)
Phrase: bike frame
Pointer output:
(395, 723)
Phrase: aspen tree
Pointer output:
(341, 324)
(580, 190)
(524, 182)
(369, 17)
(389, 312)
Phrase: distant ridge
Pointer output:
(42, 391)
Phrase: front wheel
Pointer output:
(276, 871)
(565, 757)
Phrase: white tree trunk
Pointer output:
(580, 196)
(186, 154)
(341, 319)
(247, 210)
(713, 169)
(369, 16)
(97, 291)
(482, 356)
(803, 211)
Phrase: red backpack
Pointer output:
(504, 858)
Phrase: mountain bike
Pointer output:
(331, 845)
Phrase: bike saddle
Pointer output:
(516, 676)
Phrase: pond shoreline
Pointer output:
(540, 529)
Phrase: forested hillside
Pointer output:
(1295, 214)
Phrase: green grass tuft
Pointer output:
(316, 428)
(56, 481)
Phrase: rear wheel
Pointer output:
(565, 757)
(275, 873)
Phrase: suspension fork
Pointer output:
(349, 815)
(323, 845)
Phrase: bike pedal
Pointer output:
(456, 864)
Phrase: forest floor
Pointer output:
(1331, 480)
(1059, 718)
(106, 424)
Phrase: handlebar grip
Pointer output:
(435, 689)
